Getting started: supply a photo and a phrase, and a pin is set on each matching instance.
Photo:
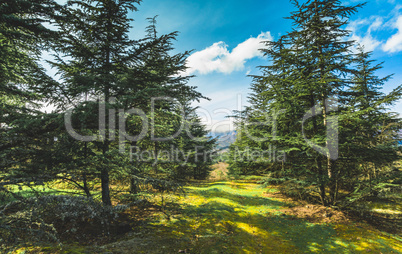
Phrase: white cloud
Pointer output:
(394, 44)
(362, 31)
(218, 58)
(368, 41)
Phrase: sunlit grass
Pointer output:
(386, 211)
(391, 208)
(34, 191)
(235, 217)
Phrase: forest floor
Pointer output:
(240, 217)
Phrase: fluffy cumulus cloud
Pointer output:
(362, 31)
(394, 44)
(366, 40)
(218, 58)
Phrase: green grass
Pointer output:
(27, 192)
(234, 217)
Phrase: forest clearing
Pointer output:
(236, 217)
(204, 126)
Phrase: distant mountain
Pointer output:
(224, 139)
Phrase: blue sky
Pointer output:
(229, 31)
(224, 36)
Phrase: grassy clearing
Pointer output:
(52, 188)
(237, 217)
(234, 217)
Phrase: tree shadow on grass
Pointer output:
(236, 221)
(218, 226)
(251, 223)
(235, 185)
(241, 199)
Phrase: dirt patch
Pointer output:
(316, 214)
(278, 195)
(311, 212)
(219, 172)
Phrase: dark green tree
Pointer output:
(299, 101)
(369, 130)
(94, 53)
(157, 86)
(24, 83)
(98, 60)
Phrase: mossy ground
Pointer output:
(239, 217)
(235, 217)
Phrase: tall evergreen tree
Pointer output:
(98, 60)
(369, 129)
(321, 44)
(98, 51)
(23, 81)
(309, 78)
(159, 75)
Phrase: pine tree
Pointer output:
(22, 37)
(159, 75)
(24, 83)
(98, 60)
(370, 130)
(198, 146)
(95, 41)
(312, 68)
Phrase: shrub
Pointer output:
(53, 218)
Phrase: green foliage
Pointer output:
(54, 218)
(311, 68)
(23, 82)
(98, 65)
(104, 64)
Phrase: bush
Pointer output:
(296, 189)
(53, 218)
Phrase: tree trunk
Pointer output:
(104, 174)
(333, 182)
(332, 175)
(155, 164)
(323, 194)
(104, 171)
(86, 188)
(84, 175)
(105, 187)
(133, 186)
